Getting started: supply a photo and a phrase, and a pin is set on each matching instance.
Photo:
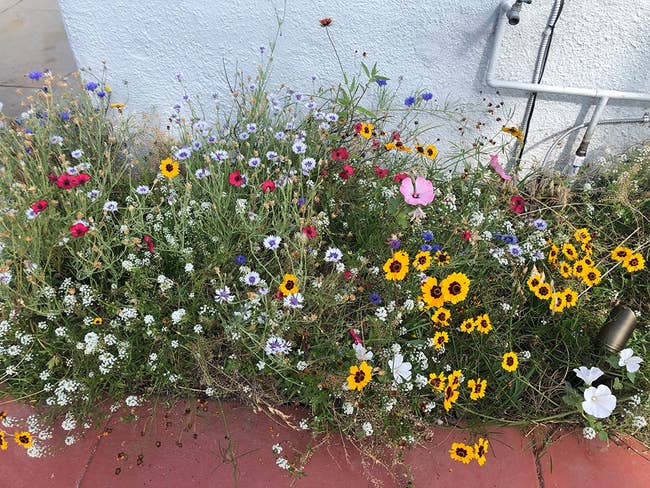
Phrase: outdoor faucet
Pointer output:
(513, 13)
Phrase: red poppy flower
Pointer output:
(66, 181)
(309, 231)
(149, 242)
(52, 177)
(381, 172)
(347, 171)
(39, 206)
(235, 178)
(399, 177)
(517, 204)
(467, 235)
(268, 185)
(83, 178)
(340, 154)
(78, 229)
(325, 22)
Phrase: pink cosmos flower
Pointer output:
(419, 194)
(494, 164)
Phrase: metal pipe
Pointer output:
(581, 153)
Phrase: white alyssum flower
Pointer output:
(589, 433)
(599, 402)
(588, 375)
(348, 408)
(132, 401)
(626, 358)
(367, 428)
(401, 369)
(639, 422)
(282, 463)
(178, 315)
(276, 448)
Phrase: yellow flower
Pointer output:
(557, 302)
(480, 450)
(422, 261)
(514, 132)
(565, 269)
(360, 376)
(570, 297)
(587, 248)
(419, 148)
(98, 321)
(455, 287)
(454, 378)
(468, 325)
(397, 266)
(366, 130)
(510, 361)
(591, 276)
(432, 293)
(441, 316)
(543, 291)
(116, 105)
(582, 235)
(621, 253)
(483, 323)
(437, 381)
(401, 147)
(389, 146)
(534, 281)
(461, 452)
(3, 441)
(442, 258)
(289, 285)
(634, 263)
(569, 251)
(579, 267)
(451, 395)
(169, 168)
(440, 339)
(477, 388)
(552, 254)
(431, 151)
(23, 438)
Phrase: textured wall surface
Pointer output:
(441, 46)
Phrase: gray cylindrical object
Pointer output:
(618, 329)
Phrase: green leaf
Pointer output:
(53, 362)
(367, 112)
(602, 435)
(613, 361)
(618, 384)
(365, 69)
(631, 377)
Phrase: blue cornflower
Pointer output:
(65, 116)
(427, 236)
(436, 248)
(101, 94)
(514, 249)
(375, 298)
(381, 82)
(540, 224)
(394, 244)
(240, 259)
(91, 86)
(509, 239)
(35, 75)
(301, 201)
(427, 96)
(408, 101)
(426, 247)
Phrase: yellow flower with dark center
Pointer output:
(454, 378)
(437, 381)
(621, 253)
(582, 235)
(587, 248)
(591, 276)
(565, 269)
(580, 266)
(422, 261)
(510, 361)
(389, 145)
(461, 452)
(483, 323)
(397, 266)
(360, 376)
(3, 441)
(557, 302)
(534, 281)
(514, 132)
(634, 263)
(289, 285)
(24, 439)
(468, 325)
(455, 287)
(569, 251)
(401, 147)
(451, 396)
(588, 262)
(366, 130)
(169, 168)
(570, 297)
(480, 450)
(419, 148)
(98, 321)
(431, 151)
(116, 105)
(477, 388)
(441, 316)
(543, 291)
(552, 254)
(440, 339)
(442, 258)
(432, 293)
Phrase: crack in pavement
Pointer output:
(11, 6)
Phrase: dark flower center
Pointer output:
(422, 259)
(461, 452)
(634, 262)
(591, 275)
(481, 451)
(169, 167)
(395, 266)
(23, 439)
(510, 361)
(455, 288)
(289, 285)
(477, 388)
(359, 376)
(543, 291)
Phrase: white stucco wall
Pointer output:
(440, 45)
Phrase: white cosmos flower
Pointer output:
(400, 368)
(599, 402)
(626, 358)
(588, 375)
(362, 353)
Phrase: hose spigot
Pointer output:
(513, 13)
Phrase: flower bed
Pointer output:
(314, 250)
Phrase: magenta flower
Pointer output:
(494, 164)
(419, 194)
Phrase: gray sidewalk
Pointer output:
(31, 38)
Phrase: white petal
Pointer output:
(625, 354)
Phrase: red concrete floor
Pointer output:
(230, 446)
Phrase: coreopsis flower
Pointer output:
(455, 287)
(570, 297)
(483, 324)
(626, 358)
(543, 291)
(432, 293)
(431, 151)
(437, 381)
(534, 281)
(78, 229)
(440, 339)
(401, 369)
(467, 325)
(599, 402)
(441, 317)
(569, 251)
(566, 270)
(477, 388)
(633, 263)
(621, 253)
(582, 235)
(480, 450)
(418, 193)
(442, 258)
(169, 168)
(422, 261)
(289, 285)
(553, 254)
(591, 276)
(588, 375)
(556, 303)
(514, 132)
(3, 441)
(510, 361)
(366, 130)
(451, 395)
(235, 178)
(580, 266)
(360, 376)
(397, 266)
(461, 452)
(24, 439)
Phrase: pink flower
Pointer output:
(149, 242)
(66, 181)
(419, 194)
(355, 336)
(340, 154)
(78, 229)
(309, 231)
(399, 177)
(517, 204)
(494, 164)
(347, 171)
(39, 206)
(235, 178)
(467, 235)
(83, 178)
(268, 185)
(381, 172)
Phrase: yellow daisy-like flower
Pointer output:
(419, 148)
(591, 276)
(397, 266)
(422, 261)
(467, 326)
(570, 297)
(477, 388)
(514, 132)
(480, 450)
(451, 396)
(98, 321)
(510, 361)
(399, 145)
(360, 376)
(169, 168)
(552, 254)
(455, 287)
(432, 293)
(582, 235)
(389, 146)
(437, 381)
(431, 151)
(534, 281)
(569, 251)
(289, 285)
(621, 253)
(440, 339)
(587, 248)
(24, 439)
(483, 324)
(579, 267)
(366, 130)
(543, 291)
(441, 316)
(588, 262)
(116, 105)
(442, 258)
(461, 452)
(634, 263)
(566, 270)
(556, 303)
(3, 441)
(454, 378)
